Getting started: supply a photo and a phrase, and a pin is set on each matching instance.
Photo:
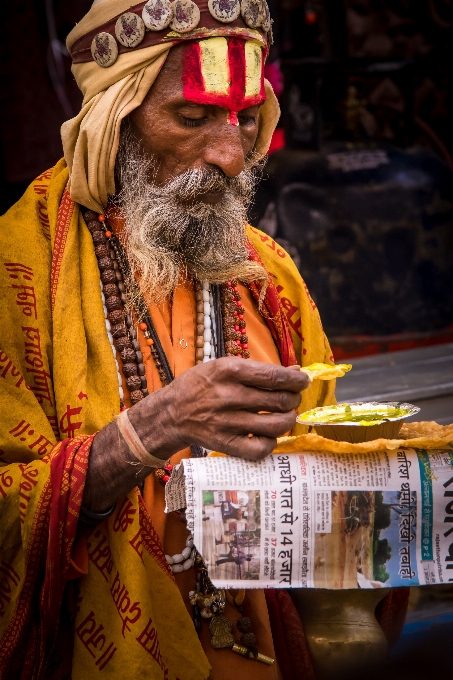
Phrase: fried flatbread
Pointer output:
(326, 371)
(421, 435)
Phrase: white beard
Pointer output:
(170, 232)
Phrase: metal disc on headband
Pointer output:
(130, 29)
(253, 12)
(186, 16)
(224, 10)
(104, 49)
(157, 14)
(266, 24)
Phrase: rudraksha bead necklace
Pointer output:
(221, 327)
(119, 324)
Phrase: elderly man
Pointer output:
(143, 321)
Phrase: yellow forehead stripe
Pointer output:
(253, 65)
(214, 65)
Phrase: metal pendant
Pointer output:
(220, 628)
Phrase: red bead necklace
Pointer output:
(234, 326)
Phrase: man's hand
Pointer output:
(230, 405)
(219, 404)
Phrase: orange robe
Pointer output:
(175, 325)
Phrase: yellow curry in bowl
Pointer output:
(360, 421)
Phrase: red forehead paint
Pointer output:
(234, 100)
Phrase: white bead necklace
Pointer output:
(209, 332)
(184, 560)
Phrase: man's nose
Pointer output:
(224, 150)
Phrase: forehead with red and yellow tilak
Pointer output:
(226, 72)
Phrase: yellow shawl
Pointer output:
(58, 381)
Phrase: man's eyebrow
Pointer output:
(184, 104)
(180, 100)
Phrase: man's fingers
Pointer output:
(256, 400)
(270, 425)
(265, 376)
(224, 434)
(254, 448)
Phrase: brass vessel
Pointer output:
(342, 632)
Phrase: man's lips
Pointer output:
(203, 196)
(211, 197)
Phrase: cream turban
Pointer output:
(90, 140)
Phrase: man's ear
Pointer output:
(267, 120)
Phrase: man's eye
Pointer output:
(192, 122)
(247, 119)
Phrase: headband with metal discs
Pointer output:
(157, 21)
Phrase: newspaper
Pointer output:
(321, 520)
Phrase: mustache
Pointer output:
(192, 184)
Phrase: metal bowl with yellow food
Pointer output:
(358, 421)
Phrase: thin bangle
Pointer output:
(89, 518)
(134, 443)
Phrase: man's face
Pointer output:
(186, 175)
(181, 135)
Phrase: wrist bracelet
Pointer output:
(88, 518)
(134, 443)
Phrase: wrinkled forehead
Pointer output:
(226, 72)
